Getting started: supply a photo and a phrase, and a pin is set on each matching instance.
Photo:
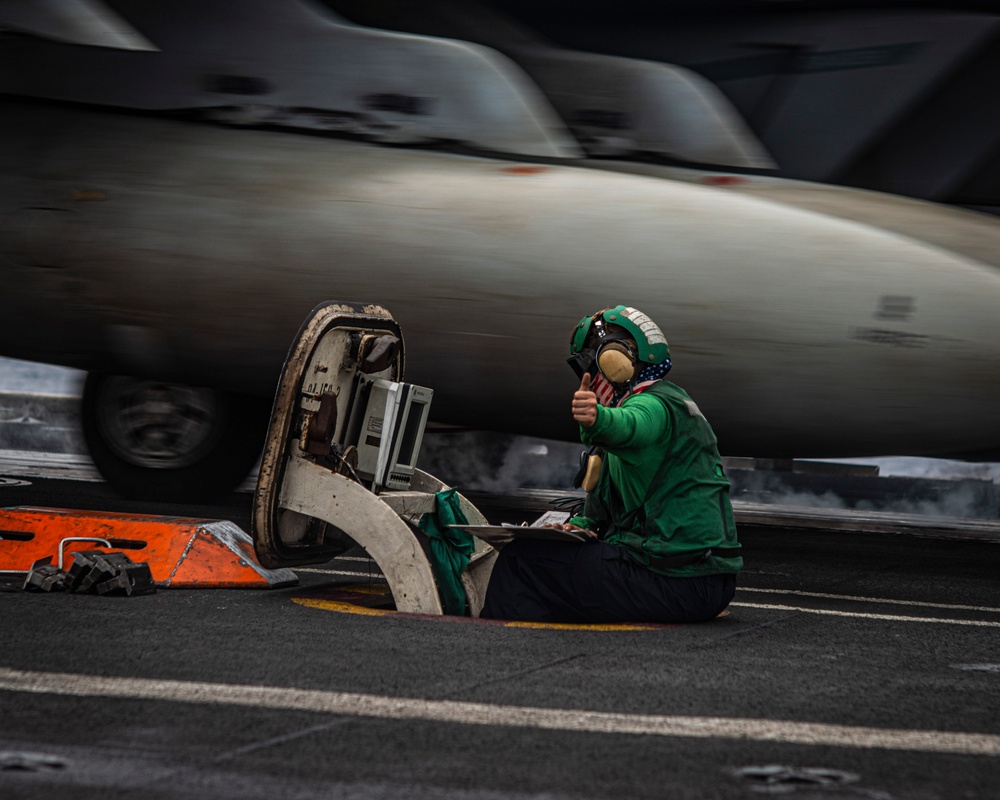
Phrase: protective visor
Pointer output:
(587, 360)
(583, 362)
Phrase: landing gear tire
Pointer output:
(167, 442)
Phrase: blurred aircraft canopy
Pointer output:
(615, 106)
(492, 86)
(86, 22)
(291, 64)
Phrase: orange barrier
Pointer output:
(181, 552)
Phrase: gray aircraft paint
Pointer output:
(198, 250)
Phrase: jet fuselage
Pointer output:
(154, 246)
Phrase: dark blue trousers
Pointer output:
(544, 581)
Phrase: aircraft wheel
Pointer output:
(161, 441)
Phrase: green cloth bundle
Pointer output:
(450, 550)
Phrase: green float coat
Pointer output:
(662, 491)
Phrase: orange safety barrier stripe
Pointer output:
(182, 552)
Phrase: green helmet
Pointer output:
(652, 344)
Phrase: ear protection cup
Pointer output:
(617, 363)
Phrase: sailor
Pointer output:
(660, 540)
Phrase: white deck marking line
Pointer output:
(916, 603)
(375, 576)
(861, 615)
(449, 711)
(355, 558)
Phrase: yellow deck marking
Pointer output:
(568, 626)
(344, 608)
(347, 607)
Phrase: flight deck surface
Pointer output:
(850, 664)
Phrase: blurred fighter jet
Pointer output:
(894, 96)
(180, 184)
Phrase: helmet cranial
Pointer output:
(651, 344)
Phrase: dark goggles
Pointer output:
(583, 362)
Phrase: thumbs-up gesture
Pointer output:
(585, 403)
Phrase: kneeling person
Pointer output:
(664, 546)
